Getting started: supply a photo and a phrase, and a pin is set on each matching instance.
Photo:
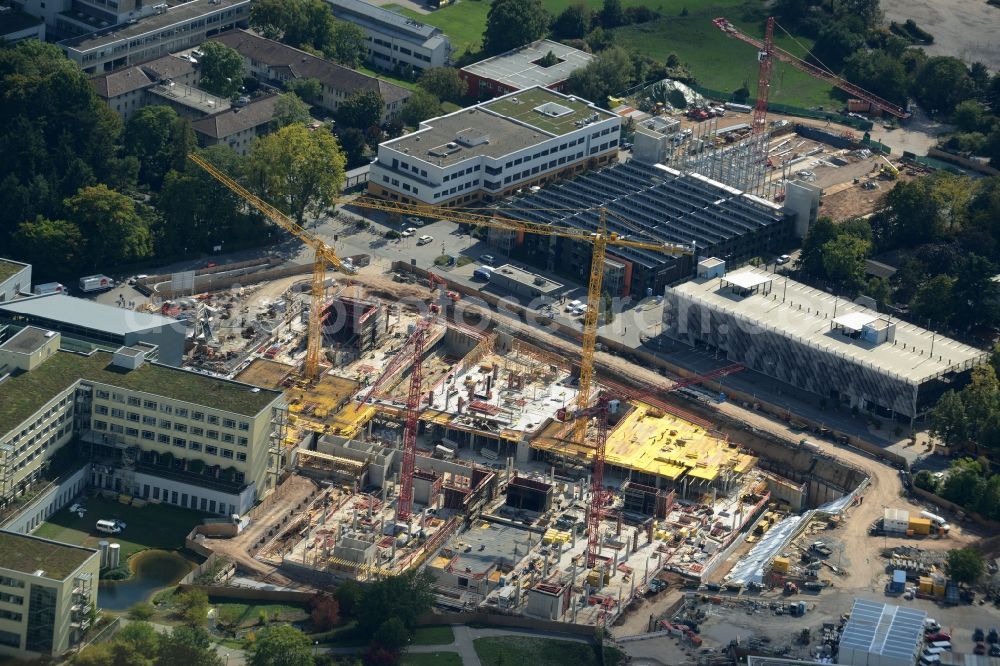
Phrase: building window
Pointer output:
(115, 428)
(212, 450)
(100, 425)
(181, 412)
(163, 439)
(149, 404)
(228, 423)
(180, 427)
(149, 435)
(10, 615)
(11, 582)
(149, 420)
(165, 424)
(180, 442)
(117, 413)
(104, 395)
(198, 416)
(132, 432)
(9, 637)
(244, 425)
(241, 457)
(214, 420)
(227, 453)
(101, 409)
(15, 599)
(133, 417)
(166, 409)
(242, 441)
(213, 434)
(226, 437)
(133, 401)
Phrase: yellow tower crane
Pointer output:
(599, 240)
(323, 254)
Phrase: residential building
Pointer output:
(396, 43)
(487, 151)
(237, 127)
(16, 26)
(91, 325)
(15, 279)
(649, 202)
(169, 80)
(817, 342)
(110, 41)
(47, 592)
(151, 430)
(276, 64)
(525, 67)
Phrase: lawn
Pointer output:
(437, 635)
(431, 659)
(716, 61)
(152, 526)
(248, 615)
(494, 651)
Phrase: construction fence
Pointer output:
(788, 110)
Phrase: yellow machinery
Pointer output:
(889, 170)
(324, 254)
(599, 239)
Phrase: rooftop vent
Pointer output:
(553, 110)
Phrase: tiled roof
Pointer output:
(140, 76)
(302, 65)
(229, 122)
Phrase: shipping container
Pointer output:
(920, 526)
(780, 564)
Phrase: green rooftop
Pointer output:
(525, 109)
(28, 554)
(9, 268)
(23, 395)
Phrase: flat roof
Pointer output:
(87, 314)
(795, 310)
(519, 68)
(855, 321)
(527, 278)
(490, 543)
(28, 554)
(175, 15)
(529, 107)
(22, 395)
(882, 629)
(747, 280)
(10, 268)
(27, 340)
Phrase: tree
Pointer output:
(221, 69)
(880, 72)
(348, 44)
(964, 484)
(50, 245)
(820, 233)
(289, 110)
(111, 654)
(392, 635)
(420, 106)
(909, 215)
(933, 300)
(867, 10)
(924, 479)
(193, 607)
(443, 82)
(308, 90)
(160, 140)
(608, 74)
(141, 611)
(573, 23)
(405, 596)
(353, 143)
(513, 23)
(941, 83)
(612, 14)
(141, 636)
(187, 646)
(363, 109)
(837, 40)
(844, 260)
(969, 115)
(349, 596)
(298, 170)
(324, 612)
(116, 233)
(949, 422)
(965, 565)
(281, 645)
(305, 24)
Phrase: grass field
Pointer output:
(716, 61)
(439, 635)
(497, 651)
(152, 526)
(431, 659)
(248, 615)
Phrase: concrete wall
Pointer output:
(16, 284)
(58, 495)
(513, 621)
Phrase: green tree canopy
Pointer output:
(187, 646)
(965, 565)
(290, 109)
(513, 23)
(305, 24)
(354, 144)
(444, 83)
(949, 422)
(193, 608)
(115, 230)
(612, 15)
(933, 300)
(406, 596)
(908, 215)
(281, 645)
(609, 74)
(55, 246)
(392, 635)
(844, 260)
(160, 140)
(221, 69)
(309, 90)
(348, 44)
(837, 40)
(420, 106)
(349, 595)
(880, 72)
(941, 83)
(363, 109)
(573, 23)
(297, 170)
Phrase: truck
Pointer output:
(95, 283)
(49, 288)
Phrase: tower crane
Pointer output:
(324, 254)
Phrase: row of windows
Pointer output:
(543, 153)
(406, 167)
(166, 425)
(457, 188)
(10, 615)
(180, 412)
(41, 419)
(197, 503)
(458, 174)
(15, 599)
(180, 442)
(11, 582)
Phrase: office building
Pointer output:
(881, 634)
(87, 325)
(525, 67)
(487, 151)
(396, 43)
(16, 26)
(817, 342)
(646, 202)
(238, 126)
(274, 63)
(15, 279)
(151, 430)
(47, 593)
(102, 40)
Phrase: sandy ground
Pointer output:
(966, 29)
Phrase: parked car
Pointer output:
(980, 648)
(425, 239)
(784, 259)
(488, 259)
(409, 231)
(415, 221)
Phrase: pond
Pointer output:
(152, 571)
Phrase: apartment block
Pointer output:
(490, 150)
(151, 430)
(396, 43)
(47, 592)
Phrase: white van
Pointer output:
(944, 645)
(108, 527)
(929, 660)
(933, 650)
